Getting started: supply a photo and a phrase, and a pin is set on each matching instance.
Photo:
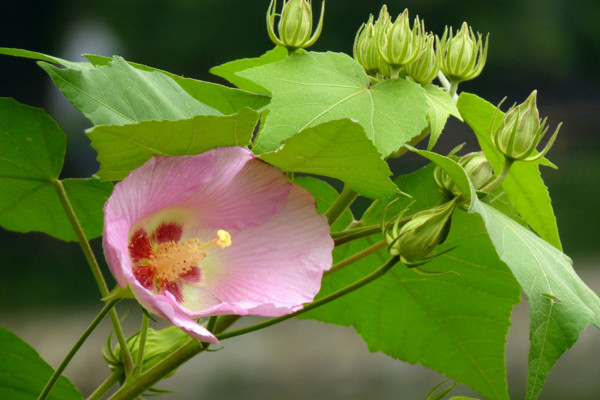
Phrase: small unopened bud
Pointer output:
(426, 67)
(520, 132)
(463, 56)
(477, 167)
(398, 44)
(415, 240)
(295, 24)
(365, 48)
(158, 345)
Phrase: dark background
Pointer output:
(552, 46)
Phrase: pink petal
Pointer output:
(160, 183)
(166, 306)
(273, 268)
(244, 191)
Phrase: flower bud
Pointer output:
(415, 240)
(158, 344)
(295, 24)
(463, 56)
(397, 43)
(520, 131)
(477, 167)
(365, 48)
(426, 67)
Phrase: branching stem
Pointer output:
(91, 259)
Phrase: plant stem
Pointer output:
(76, 347)
(342, 237)
(136, 386)
(212, 321)
(93, 263)
(500, 177)
(341, 204)
(107, 384)
(142, 344)
(352, 259)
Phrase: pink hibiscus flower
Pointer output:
(217, 233)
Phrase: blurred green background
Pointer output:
(552, 46)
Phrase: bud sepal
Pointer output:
(463, 55)
(295, 24)
(414, 240)
(520, 131)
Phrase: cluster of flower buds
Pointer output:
(295, 24)
(477, 167)
(384, 47)
(415, 239)
(520, 132)
(389, 49)
(463, 55)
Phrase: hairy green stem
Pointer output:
(142, 344)
(91, 259)
(338, 207)
(76, 347)
(453, 89)
(353, 258)
(349, 235)
(137, 385)
(493, 185)
(212, 321)
(107, 384)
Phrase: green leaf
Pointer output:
(42, 57)
(455, 323)
(311, 88)
(229, 70)
(524, 185)
(325, 195)
(32, 147)
(441, 107)
(23, 373)
(121, 94)
(122, 148)
(337, 149)
(223, 99)
(459, 176)
(561, 306)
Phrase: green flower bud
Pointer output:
(295, 24)
(415, 240)
(365, 48)
(397, 43)
(520, 132)
(477, 167)
(158, 345)
(463, 56)
(426, 67)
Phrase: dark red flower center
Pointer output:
(162, 262)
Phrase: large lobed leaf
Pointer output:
(118, 93)
(122, 148)
(337, 149)
(32, 147)
(229, 70)
(561, 306)
(222, 98)
(524, 185)
(23, 373)
(311, 88)
(455, 323)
